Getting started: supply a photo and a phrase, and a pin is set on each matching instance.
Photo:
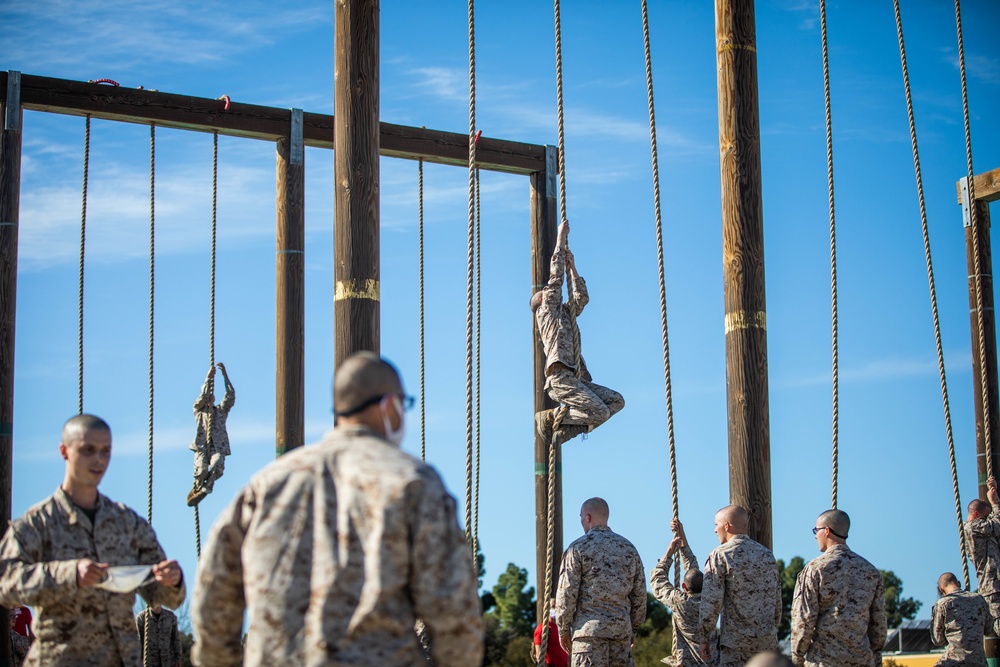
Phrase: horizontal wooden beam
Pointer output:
(985, 186)
(201, 114)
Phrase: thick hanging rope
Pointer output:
(423, 409)
(83, 249)
(479, 328)
(663, 284)
(933, 293)
(152, 303)
(833, 260)
(470, 279)
(975, 243)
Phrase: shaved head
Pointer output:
(735, 516)
(76, 427)
(598, 507)
(979, 506)
(769, 659)
(947, 579)
(361, 380)
(694, 579)
(536, 301)
(836, 521)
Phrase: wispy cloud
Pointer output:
(977, 65)
(446, 83)
(122, 35)
(808, 11)
(876, 371)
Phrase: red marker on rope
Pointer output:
(476, 139)
(224, 98)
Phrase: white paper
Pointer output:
(125, 578)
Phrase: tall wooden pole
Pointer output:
(356, 177)
(10, 196)
(543, 243)
(743, 264)
(977, 231)
(290, 304)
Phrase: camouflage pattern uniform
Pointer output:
(741, 581)
(838, 612)
(38, 559)
(959, 619)
(685, 608)
(164, 649)
(211, 442)
(981, 536)
(601, 599)
(335, 550)
(589, 404)
(19, 647)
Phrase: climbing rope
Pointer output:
(975, 244)
(660, 267)
(470, 280)
(933, 292)
(83, 248)
(152, 296)
(833, 258)
(479, 328)
(423, 411)
(215, 201)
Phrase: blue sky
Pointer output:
(894, 476)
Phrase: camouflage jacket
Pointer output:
(211, 435)
(556, 326)
(685, 607)
(981, 535)
(741, 582)
(602, 587)
(164, 648)
(76, 627)
(838, 612)
(335, 550)
(959, 619)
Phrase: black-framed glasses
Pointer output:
(832, 531)
(405, 400)
(819, 528)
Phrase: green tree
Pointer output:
(897, 608)
(788, 575)
(515, 605)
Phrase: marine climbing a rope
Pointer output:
(585, 404)
(211, 442)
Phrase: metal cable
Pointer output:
(479, 329)
(975, 245)
(660, 266)
(83, 248)
(470, 276)
(835, 466)
(152, 302)
(933, 292)
(423, 410)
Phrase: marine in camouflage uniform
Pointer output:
(982, 532)
(683, 602)
(838, 612)
(959, 619)
(588, 404)
(164, 647)
(211, 442)
(601, 598)
(336, 549)
(42, 554)
(741, 582)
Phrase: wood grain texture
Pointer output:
(543, 242)
(251, 121)
(290, 303)
(982, 231)
(10, 195)
(356, 174)
(985, 186)
(743, 264)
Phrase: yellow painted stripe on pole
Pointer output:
(729, 46)
(362, 288)
(741, 319)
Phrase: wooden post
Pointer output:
(743, 265)
(976, 215)
(10, 196)
(543, 243)
(356, 178)
(290, 303)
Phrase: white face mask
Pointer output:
(394, 436)
(552, 614)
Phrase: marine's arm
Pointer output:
(712, 593)
(205, 397)
(218, 603)
(177, 649)
(567, 594)
(659, 578)
(25, 579)
(229, 400)
(167, 588)
(442, 578)
(805, 612)
(877, 622)
(578, 295)
(637, 597)
(938, 622)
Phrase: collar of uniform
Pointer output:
(599, 528)
(838, 548)
(356, 430)
(73, 510)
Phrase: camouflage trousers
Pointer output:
(993, 622)
(589, 404)
(601, 652)
(208, 467)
